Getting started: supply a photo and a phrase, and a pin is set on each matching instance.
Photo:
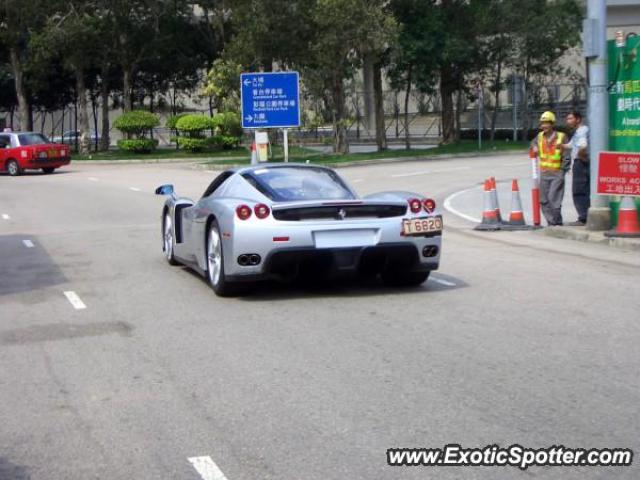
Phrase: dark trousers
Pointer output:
(581, 188)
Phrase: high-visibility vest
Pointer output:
(550, 154)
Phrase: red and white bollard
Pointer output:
(535, 189)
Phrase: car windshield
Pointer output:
(298, 183)
(32, 139)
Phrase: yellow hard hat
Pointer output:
(548, 117)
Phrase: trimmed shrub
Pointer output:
(226, 142)
(191, 144)
(138, 145)
(136, 123)
(193, 125)
(228, 123)
(173, 120)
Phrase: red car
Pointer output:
(21, 151)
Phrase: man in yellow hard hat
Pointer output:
(553, 165)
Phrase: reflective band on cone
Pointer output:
(490, 220)
(628, 225)
(494, 194)
(516, 217)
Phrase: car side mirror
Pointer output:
(164, 190)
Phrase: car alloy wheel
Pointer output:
(13, 168)
(214, 257)
(167, 239)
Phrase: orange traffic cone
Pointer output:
(494, 196)
(628, 225)
(516, 217)
(489, 217)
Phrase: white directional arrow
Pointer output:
(247, 83)
(248, 118)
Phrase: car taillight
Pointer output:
(414, 205)
(243, 212)
(261, 210)
(429, 205)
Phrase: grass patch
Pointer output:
(302, 155)
(242, 155)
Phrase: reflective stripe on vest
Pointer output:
(550, 155)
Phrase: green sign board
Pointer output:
(624, 96)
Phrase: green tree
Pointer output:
(18, 19)
(74, 32)
(223, 84)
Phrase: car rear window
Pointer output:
(32, 139)
(284, 184)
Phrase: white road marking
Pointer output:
(400, 175)
(6, 217)
(455, 169)
(74, 300)
(425, 172)
(134, 189)
(447, 205)
(446, 283)
(207, 468)
(357, 180)
(28, 243)
(94, 179)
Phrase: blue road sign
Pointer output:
(270, 100)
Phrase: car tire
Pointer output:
(168, 239)
(13, 168)
(48, 170)
(214, 252)
(404, 279)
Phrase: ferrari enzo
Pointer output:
(286, 221)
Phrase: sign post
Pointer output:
(271, 100)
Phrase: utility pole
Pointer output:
(595, 46)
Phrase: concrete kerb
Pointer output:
(133, 161)
(579, 234)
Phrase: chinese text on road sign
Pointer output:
(619, 173)
(270, 100)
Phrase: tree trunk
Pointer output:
(381, 131)
(104, 102)
(368, 96)
(126, 88)
(340, 141)
(94, 113)
(496, 106)
(458, 115)
(83, 118)
(407, 93)
(446, 93)
(24, 109)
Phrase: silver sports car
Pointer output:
(284, 221)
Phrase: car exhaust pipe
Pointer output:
(430, 251)
(249, 259)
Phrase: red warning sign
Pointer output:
(619, 173)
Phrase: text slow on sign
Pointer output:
(619, 173)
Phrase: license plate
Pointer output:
(422, 226)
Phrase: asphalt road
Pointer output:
(519, 338)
